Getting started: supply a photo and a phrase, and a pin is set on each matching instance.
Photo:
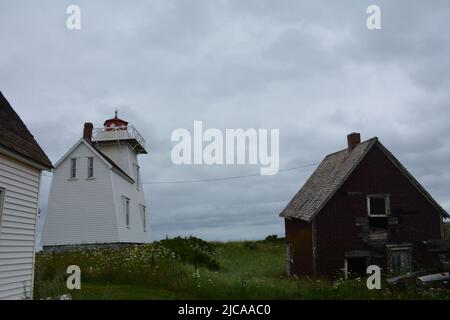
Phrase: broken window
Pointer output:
(378, 205)
(355, 263)
(400, 259)
(356, 267)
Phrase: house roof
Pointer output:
(329, 176)
(15, 136)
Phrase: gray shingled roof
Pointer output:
(15, 136)
(329, 176)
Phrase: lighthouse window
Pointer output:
(90, 167)
(144, 217)
(73, 168)
(138, 180)
(126, 208)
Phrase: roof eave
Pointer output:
(22, 158)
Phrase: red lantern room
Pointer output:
(116, 123)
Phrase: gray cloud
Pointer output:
(310, 68)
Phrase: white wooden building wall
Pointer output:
(80, 210)
(17, 227)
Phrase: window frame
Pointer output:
(73, 168)
(143, 210)
(387, 204)
(2, 201)
(126, 209)
(138, 179)
(90, 167)
(399, 249)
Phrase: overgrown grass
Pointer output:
(193, 269)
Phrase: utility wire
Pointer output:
(227, 178)
(218, 179)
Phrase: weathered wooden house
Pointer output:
(360, 207)
(21, 163)
(97, 196)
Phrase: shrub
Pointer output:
(193, 250)
(273, 238)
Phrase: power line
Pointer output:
(227, 178)
(219, 178)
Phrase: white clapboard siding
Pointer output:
(17, 227)
(80, 210)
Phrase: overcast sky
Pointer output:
(309, 68)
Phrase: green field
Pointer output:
(194, 269)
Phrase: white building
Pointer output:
(21, 163)
(96, 195)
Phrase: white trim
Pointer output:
(82, 140)
(111, 167)
(73, 169)
(90, 167)
(387, 204)
(23, 159)
(35, 240)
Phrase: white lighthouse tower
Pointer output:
(97, 195)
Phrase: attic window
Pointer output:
(378, 205)
(73, 168)
(90, 173)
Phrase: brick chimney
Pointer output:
(87, 132)
(353, 139)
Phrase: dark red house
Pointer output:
(361, 207)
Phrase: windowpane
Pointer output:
(126, 208)
(377, 206)
(90, 167)
(138, 180)
(144, 217)
(73, 168)
(2, 194)
(400, 261)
